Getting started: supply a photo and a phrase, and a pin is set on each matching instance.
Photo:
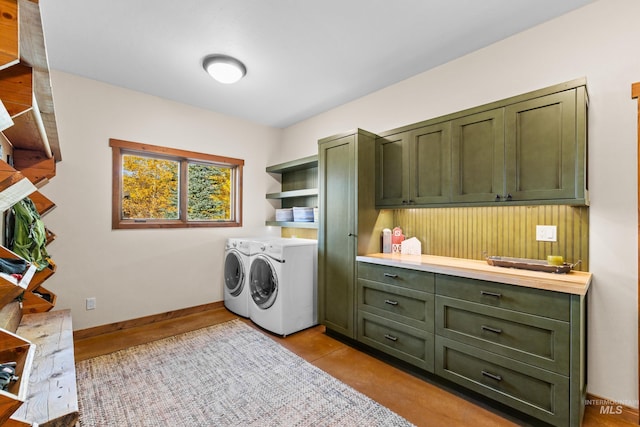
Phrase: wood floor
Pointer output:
(419, 401)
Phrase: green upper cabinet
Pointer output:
(425, 179)
(528, 149)
(392, 181)
(545, 149)
(478, 157)
(430, 164)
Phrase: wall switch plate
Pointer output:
(90, 303)
(546, 233)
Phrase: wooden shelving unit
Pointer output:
(38, 339)
(299, 181)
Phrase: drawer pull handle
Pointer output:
(390, 275)
(490, 294)
(391, 337)
(490, 329)
(388, 301)
(492, 376)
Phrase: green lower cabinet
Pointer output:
(536, 340)
(404, 342)
(515, 298)
(534, 391)
(520, 346)
(413, 308)
(398, 277)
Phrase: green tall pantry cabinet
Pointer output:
(347, 223)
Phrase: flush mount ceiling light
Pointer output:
(223, 68)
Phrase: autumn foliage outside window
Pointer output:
(158, 187)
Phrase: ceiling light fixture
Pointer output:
(223, 68)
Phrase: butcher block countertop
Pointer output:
(574, 282)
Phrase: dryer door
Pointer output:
(263, 281)
(234, 273)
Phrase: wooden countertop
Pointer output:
(574, 282)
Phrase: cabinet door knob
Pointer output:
(492, 376)
(509, 198)
(497, 199)
(352, 235)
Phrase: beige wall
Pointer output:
(134, 273)
(599, 42)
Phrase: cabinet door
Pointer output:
(477, 152)
(336, 240)
(392, 174)
(541, 147)
(430, 164)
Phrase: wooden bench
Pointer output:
(52, 399)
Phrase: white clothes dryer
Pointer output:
(283, 285)
(237, 261)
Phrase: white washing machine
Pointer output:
(237, 260)
(283, 285)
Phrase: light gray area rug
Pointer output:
(223, 375)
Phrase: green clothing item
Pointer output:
(30, 236)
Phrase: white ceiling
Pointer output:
(303, 57)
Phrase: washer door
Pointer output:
(263, 282)
(234, 273)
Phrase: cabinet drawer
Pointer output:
(404, 277)
(551, 304)
(404, 342)
(537, 392)
(407, 306)
(535, 340)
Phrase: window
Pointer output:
(158, 187)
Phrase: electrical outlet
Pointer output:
(91, 303)
(546, 233)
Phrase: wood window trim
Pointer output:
(119, 146)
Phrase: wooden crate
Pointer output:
(9, 50)
(35, 165)
(15, 349)
(33, 303)
(10, 287)
(40, 276)
(10, 316)
(42, 203)
(11, 422)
